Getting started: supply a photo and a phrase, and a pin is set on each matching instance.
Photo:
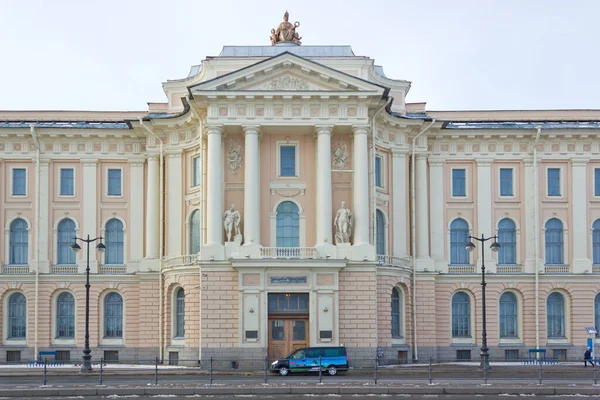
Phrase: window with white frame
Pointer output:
(554, 242)
(507, 238)
(17, 316)
(67, 182)
(596, 181)
(378, 171)
(19, 183)
(506, 182)
(459, 188)
(66, 238)
(459, 236)
(508, 315)
(113, 315)
(553, 182)
(18, 242)
(288, 160)
(556, 315)
(196, 178)
(114, 242)
(65, 316)
(179, 328)
(114, 182)
(396, 314)
(461, 315)
(288, 225)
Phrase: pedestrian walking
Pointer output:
(587, 357)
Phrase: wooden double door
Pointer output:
(287, 333)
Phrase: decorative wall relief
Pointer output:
(286, 82)
(234, 156)
(340, 155)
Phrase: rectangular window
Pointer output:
(378, 178)
(63, 355)
(19, 182)
(559, 354)
(463, 355)
(553, 181)
(287, 160)
(506, 182)
(458, 183)
(596, 181)
(66, 182)
(13, 356)
(511, 355)
(114, 182)
(111, 356)
(197, 177)
(173, 357)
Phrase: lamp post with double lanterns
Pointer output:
(485, 357)
(86, 366)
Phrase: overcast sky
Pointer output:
(458, 54)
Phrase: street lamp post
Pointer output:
(485, 357)
(86, 366)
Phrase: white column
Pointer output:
(421, 207)
(324, 202)
(484, 212)
(361, 248)
(214, 188)
(44, 263)
(437, 228)
(529, 222)
(399, 203)
(251, 186)
(581, 229)
(90, 210)
(152, 208)
(136, 211)
(174, 216)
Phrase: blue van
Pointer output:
(333, 359)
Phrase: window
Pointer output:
(111, 356)
(13, 356)
(18, 242)
(63, 355)
(511, 355)
(396, 312)
(506, 182)
(196, 178)
(461, 315)
(380, 232)
(596, 241)
(556, 315)
(114, 242)
(597, 314)
(554, 242)
(114, 182)
(508, 315)
(288, 225)
(66, 237)
(19, 182)
(195, 232)
(113, 315)
(459, 188)
(66, 182)
(65, 316)
(378, 171)
(179, 313)
(459, 233)
(596, 181)
(173, 357)
(508, 242)
(287, 160)
(463, 355)
(553, 181)
(559, 354)
(17, 316)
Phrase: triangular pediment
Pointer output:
(287, 73)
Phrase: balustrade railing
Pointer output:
(596, 269)
(288, 252)
(15, 269)
(112, 269)
(64, 269)
(509, 269)
(179, 261)
(461, 269)
(556, 269)
(391, 261)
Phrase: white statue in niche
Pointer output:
(231, 222)
(343, 224)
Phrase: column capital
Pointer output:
(152, 156)
(89, 162)
(251, 129)
(361, 129)
(579, 162)
(323, 129)
(421, 156)
(214, 129)
(436, 162)
(484, 162)
(136, 162)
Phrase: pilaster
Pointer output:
(136, 211)
(581, 229)
(484, 211)
(43, 220)
(89, 208)
(423, 260)
(174, 216)
(399, 203)
(436, 209)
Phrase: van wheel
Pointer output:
(283, 371)
(332, 370)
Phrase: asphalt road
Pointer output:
(316, 396)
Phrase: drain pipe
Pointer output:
(160, 238)
(536, 238)
(37, 236)
(414, 241)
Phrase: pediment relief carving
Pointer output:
(288, 81)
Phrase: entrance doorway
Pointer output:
(288, 323)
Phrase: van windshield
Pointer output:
(295, 355)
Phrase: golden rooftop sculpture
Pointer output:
(285, 32)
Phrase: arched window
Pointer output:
(597, 314)
(396, 314)
(556, 315)
(17, 316)
(596, 241)
(195, 232)
(459, 233)
(380, 232)
(508, 315)
(114, 242)
(507, 238)
(65, 316)
(66, 237)
(179, 313)
(18, 242)
(113, 315)
(554, 242)
(288, 225)
(461, 315)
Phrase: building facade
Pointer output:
(221, 212)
